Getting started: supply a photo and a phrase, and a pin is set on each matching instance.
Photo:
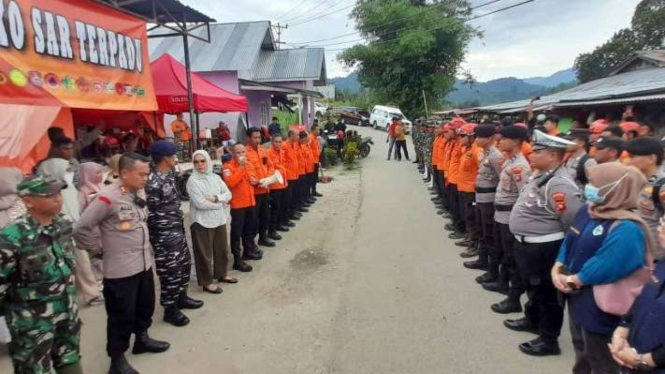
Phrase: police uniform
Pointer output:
(572, 166)
(544, 210)
(489, 171)
(129, 288)
(37, 292)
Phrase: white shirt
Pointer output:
(205, 213)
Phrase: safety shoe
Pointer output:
(145, 344)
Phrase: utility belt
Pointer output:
(503, 208)
(540, 239)
(485, 189)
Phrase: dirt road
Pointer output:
(367, 283)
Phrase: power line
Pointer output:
(307, 12)
(433, 29)
(292, 9)
(392, 21)
(323, 15)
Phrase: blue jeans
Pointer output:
(390, 147)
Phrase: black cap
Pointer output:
(514, 132)
(485, 131)
(577, 134)
(644, 146)
(609, 142)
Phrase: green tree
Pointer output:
(413, 47)
(647, 32)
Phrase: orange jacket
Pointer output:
(453, 167)
(277, 158)
(290, 160)
(310, 162)
(302, 159)
(469, 164)
(262, 165)
(181, 130)
(437, 152)
(446, 151)
(237, 178)
(527, 150)
(624, 157)
(316, 147)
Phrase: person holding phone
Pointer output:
(606, 243)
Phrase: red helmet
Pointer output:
(630, 126)
(457, 122)
(468, 129)
(598, 126)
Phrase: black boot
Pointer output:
(488, 277)
(119, 365)
(509, 305)
(456, 235)
(540, 347)
(274, 235)
(449, 227)
(497, 286)
(186, 302)
(174, 316)
(478, 264)
(283, 229)
(465, 243)
(145, 344)
(469, 252)
(289, 224)
(265, 242)
(241, 266)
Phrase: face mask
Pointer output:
(592, 193)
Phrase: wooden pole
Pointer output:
(425, 101)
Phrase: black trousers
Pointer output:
(503, 257)
(243, 228)
(315, 179)
(277, 208)
(130, 303)
(262, 214)
(309, 185)
(487, 240)
(288, 199)
(399, 146)
(296, 194)
(443, 192)
(455, 208)
(470, 215)
(544, 309)
(591, 352)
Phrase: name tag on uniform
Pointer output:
(126, 216)
(598, 231)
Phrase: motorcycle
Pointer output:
(365, 146)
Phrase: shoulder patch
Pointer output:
(559, 201)
(517, 173)
(105, 200)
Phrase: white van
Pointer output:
(382, 116)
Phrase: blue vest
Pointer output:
(647, 330)
(582, 245)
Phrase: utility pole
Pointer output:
(279, 28)
(425, 101)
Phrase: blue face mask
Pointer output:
(592, 193)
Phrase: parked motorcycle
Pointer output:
(366, 146)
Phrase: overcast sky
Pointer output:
(536, 39)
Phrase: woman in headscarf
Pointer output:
(114, 165)
(91, 182)
(86, 285)
(208, 200)
(607, 242)
(11, 206)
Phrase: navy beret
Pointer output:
(163, 148)
(485, 131)
(514, 132)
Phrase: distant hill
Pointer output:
(560, 77)
(487, 93)
(350, 82)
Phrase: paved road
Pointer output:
(367, 283)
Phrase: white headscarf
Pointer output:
(208, 171)
(59, 168)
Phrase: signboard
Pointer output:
(74, 53)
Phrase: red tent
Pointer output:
(170, 80)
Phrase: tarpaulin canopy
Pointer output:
(170, 80)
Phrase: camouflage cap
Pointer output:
(38, 185)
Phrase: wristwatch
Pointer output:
(641, 363)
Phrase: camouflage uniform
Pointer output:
(417, 140)
(427, 144)
(37, 293)
(167, 236)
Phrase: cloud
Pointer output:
(536, 39)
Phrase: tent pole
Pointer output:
(190, 95)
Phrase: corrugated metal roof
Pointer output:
(289, 64)
(233, 46)
(625, 100)
(626, 85)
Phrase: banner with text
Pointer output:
(79, 54)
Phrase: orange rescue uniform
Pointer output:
(316, 147)
(302, 159)
(454, 166)
(278, 157)
(437, 152)
(468, 169)
(237, 178)
(263, 168)
(290, 160)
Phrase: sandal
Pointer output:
(229, 280)
(216, 291)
